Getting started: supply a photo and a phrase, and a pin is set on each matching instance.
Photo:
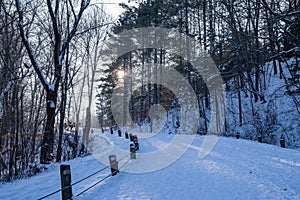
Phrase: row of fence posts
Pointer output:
(259, 139)
(133, 138)
(65, 170)
(134, 146)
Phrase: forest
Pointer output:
(49, 63)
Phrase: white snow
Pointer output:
(52, 104)
(235, 169)
(86, 4)
(51, 87)
(60, 59)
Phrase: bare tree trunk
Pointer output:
(240, 102)
(204, 25)
(60, 45)
(48, 139)
(141, 110)
(155, 89)
(77, 114)
(16, 127)
(64, 97)
(35, 129)
(211, 27)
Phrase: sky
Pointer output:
(112, 7)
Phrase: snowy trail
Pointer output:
(235, 169)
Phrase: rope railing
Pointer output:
(52, 193)
(98, 182)
(48, 195)
(125, 163)
(94, 185)
(124, 157)
(90, 175)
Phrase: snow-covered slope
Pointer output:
(235, 169)
(273, 119)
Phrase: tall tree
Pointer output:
(60, 36)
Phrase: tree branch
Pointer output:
(84, 4)
(281, 16)
(29, 49)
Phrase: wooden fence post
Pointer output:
(111, 131)
(282, 143)
(136, 143)
(126, 135)
(119, 133)
(237, 135)
(259, 139)
(132, 151)
(113, 164)
(65, 176)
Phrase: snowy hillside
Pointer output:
(235, 169)
(273, 117)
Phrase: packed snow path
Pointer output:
(235, 169)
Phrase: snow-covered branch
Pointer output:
(282, 53)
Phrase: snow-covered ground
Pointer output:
(235, 169)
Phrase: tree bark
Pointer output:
(48, 137)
